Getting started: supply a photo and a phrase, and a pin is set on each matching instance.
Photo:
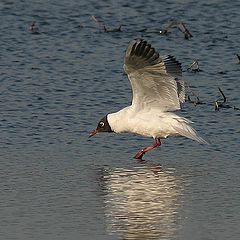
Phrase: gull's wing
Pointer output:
(154, 79)
(184, 30)
(171, 24)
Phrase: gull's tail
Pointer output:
(186, 130)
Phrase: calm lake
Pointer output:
(55, 182)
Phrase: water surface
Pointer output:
(55, 86)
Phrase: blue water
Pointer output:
(55, 86)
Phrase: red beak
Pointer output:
(94, 132)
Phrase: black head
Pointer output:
(103, 126)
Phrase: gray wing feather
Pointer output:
(155, 80)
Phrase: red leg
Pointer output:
(140, 154)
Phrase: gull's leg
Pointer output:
(140, 154)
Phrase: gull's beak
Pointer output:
(94, 132)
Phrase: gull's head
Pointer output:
(103, 126)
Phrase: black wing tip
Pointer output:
(172, 66)
(141, 48)
(135, 45)
(171, 59)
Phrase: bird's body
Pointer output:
(158, 91)
(152, 123)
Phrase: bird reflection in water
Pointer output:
(142, 203)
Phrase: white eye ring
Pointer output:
(101, 124)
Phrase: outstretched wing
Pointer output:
(155, 80)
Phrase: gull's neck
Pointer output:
(118, 121)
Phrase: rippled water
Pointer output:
(58, 184)
(143, 203)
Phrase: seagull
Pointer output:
(157, 91)
(34, 28)
(175, 24)
(194, 67)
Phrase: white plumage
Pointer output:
(158, 90)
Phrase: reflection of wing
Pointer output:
(142, 203)
(154, 79)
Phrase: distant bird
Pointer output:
(175, 24)
(119, 29)
(157, 91)
(238, 56)
(221, 104)
(105, 29)
(196, 101)
(194, 67)
(34, 28)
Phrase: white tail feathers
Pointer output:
(187, 131)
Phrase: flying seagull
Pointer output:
(157, 91)
(175, 24)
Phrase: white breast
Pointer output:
(150, 123)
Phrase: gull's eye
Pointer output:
(101, 124)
